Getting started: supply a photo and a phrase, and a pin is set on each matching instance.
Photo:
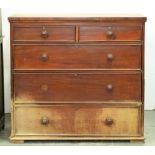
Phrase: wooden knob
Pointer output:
(44, 120)
(110, 56)
(44, 87)
(44, 33)
(44, 57)
(109, 121)
(110, 34)
(109, 87)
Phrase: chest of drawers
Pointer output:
(77, 78)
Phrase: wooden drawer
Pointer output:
(28, 57)
(44, 33)
(77, 87)
(81, 120)
(109, 33)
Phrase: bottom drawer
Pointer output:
(77, 120)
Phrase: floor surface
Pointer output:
(149, 136)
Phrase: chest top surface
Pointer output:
(77, 17)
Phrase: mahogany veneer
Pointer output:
(77, 78)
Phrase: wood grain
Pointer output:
(99, 33)
(77, 87)
(76, 120)
(55, 33)
(28, 57)
(77, 78)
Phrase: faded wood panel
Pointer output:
(70, 120)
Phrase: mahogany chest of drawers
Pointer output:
(77, 78)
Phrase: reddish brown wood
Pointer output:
(35, 33)
(79, 18)
(77, 87)
(77, 57)
(102, 33)
(97, 63)
(77, 34)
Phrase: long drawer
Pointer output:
(77, 57)
(77, 87)
(77, 120)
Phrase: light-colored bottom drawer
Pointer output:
(81, 120)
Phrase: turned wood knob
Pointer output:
(44, 87)
(109, 87)
(109, 121)
(110, 34)
(44, 120)
(44, 57)
(110, 56)
(44, 33)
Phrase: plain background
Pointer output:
(144, 7)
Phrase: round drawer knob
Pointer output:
(109, 87)
(110, 56)
(44, 57)
(44, 87)
(109, 121)
(44, 120)
(110, 34)
(44, 33)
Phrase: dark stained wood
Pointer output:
(29, 57)
(64, 70)
(77, 87)
(78, 18)
(54, 33)
(102, 33)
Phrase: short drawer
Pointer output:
(77, 87)
(28, 57)
(73, 120)
(44, 33)
(110, 33)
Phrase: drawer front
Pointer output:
(77, 87)
(81, 120)
(109, 33)
(77, 57)
(44, 33)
